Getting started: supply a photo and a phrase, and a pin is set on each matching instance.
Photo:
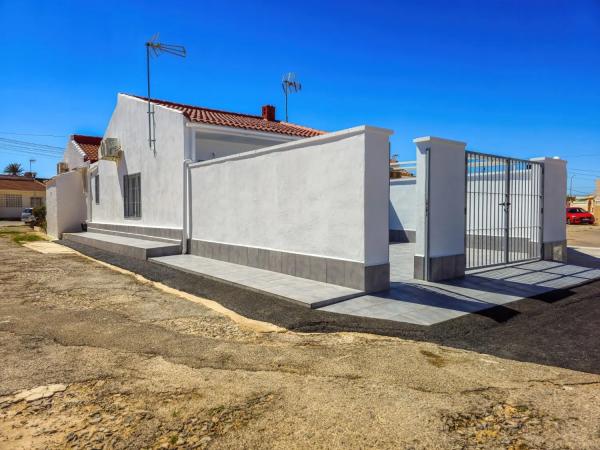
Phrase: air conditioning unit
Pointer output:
(62, 167)
(110, 148)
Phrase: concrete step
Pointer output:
(304, 292)
(126, 246)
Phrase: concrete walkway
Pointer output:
(425, 303)
(123, 245)
(302, 291)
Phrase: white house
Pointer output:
(238, 187)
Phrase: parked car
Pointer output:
(27, 215)
(579, 215)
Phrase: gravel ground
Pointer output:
(554, 329)
(93, 358)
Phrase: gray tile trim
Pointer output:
(329, 270)
(440, 268)
(555, 251)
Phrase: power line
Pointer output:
(34, 134)
(29, 144)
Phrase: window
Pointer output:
(11, 201)
(97, 189)
(132, 198)
(36, 201)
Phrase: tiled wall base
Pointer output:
(328, 270)
(403, 236)
(440, 268)
(555, 251)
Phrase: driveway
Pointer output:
(94, 357)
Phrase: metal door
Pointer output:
(503, 210)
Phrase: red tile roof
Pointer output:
(89, 144)
(236, 120)
(20, 183)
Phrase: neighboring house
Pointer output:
(66, 194)
(19, 192)
(81, 151)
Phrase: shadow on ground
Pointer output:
(559, 328)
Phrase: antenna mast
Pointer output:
(157, 48)
(290, 85)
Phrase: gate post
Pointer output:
(440, 209)
(554, 228)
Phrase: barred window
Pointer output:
(97, 189)
(132, 198)
(36, 201)
(11, 200)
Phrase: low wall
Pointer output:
(65, 204)
(403, 214)
(315, 208)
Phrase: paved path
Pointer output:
(425, 303)
(305, 292)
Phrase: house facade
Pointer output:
(19, 192)
(142, 190)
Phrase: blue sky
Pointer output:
(520, 77)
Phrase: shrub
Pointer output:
(40, 217)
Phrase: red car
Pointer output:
(579, 215)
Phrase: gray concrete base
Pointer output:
(403, 236)
(127, 246)
(440, 268)
(350, 274)
(555, 251)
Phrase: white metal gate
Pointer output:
(503, 210)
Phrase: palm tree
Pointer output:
(13, 169)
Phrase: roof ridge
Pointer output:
(254, 116)
(187, 105)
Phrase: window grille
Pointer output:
(132, 198)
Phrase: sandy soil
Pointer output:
(94, 358)
(583, 235)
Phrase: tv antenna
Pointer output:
(289, 85)
(157, 48)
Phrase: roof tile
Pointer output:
(236, 120)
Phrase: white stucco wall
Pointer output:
(65, 203)
(325, 196)
(212, 143)
(161, 172)
(403, 204)
(446, 196)
(555, 194)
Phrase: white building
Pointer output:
(240, 187)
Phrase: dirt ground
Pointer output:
(96, 358)
(583, 235)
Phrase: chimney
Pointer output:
(268, 113)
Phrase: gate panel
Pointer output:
(503, 206)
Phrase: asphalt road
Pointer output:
(557, 329)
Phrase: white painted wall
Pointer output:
(324, 196)
(73, 156)
(161, 172)
(555, 194)
(211, 143)
(446, 196)
(65, 203)
(403, 204)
